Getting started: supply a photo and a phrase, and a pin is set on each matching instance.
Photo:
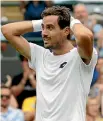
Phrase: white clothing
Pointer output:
(63, 84)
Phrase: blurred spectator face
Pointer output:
(5, 97)
(81, 13)
(100, 35)
(101, 79)
(93, 107)
(99, 64)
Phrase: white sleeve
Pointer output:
(86, 71)
(94, 59)
(36, 52)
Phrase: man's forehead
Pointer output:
(52, 19)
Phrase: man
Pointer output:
(9, 113)
(24, 84)
(81, 13)
(93, 105)
(63, 74)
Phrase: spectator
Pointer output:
(28, 107)
(99, 67)
(24, 84)
(93, 105)
(32, 11)
(81, 13)
(99, 64)
(95, 77)
(7, 82)
(9, 113)
(99, 37)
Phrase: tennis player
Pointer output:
(63, 74)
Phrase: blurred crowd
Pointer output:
(18, 93)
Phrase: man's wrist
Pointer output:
(73, 22)
(37, 25)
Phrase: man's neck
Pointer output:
(4, 110)
(64, 48)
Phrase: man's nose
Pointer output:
(44, 32)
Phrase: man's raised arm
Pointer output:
(84, 40)
(13, 32)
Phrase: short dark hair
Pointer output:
(63, 14)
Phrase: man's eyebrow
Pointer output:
(48, 24)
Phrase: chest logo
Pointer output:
(63, 64)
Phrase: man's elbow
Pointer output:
(6, 31)
(86, 44)
(86, 36)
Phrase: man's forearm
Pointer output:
(13, 32)
(82, 33)
(18, 28)
(84, 39)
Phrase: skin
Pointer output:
(93, 109)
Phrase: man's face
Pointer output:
(93, 107)
(81, 13)
(5, 97)
(52, 35)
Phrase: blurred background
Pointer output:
(14, 67)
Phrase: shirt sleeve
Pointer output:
(87, 70)
(36, 52)
(93, 60)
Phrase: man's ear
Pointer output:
(67, 30)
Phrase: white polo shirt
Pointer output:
(63, 84)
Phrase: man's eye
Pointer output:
(50, 27)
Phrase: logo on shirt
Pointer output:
(63, 64)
